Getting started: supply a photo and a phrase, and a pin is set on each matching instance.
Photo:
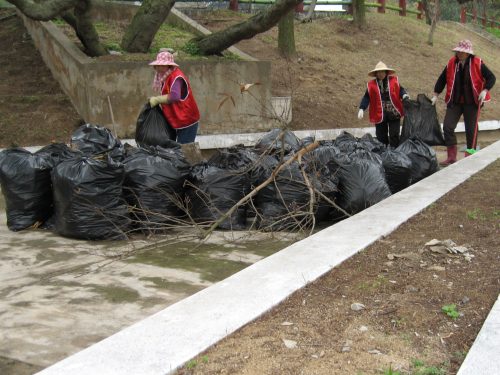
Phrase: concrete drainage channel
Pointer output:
(229, 304)
(239, 299)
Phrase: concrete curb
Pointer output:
(209, 142)
(486, 347)
(166, 340)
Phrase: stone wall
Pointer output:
(89, 83)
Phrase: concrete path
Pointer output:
(165, 341)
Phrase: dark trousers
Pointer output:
(450, 122)
(388, 127)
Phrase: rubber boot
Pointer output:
(452, 156)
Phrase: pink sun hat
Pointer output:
(164, 58)
(464, 46)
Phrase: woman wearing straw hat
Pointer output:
(384, 98)
(176, 100)
(468, 82)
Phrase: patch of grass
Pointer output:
(390, 371)
(377, 283)
(191, 364)
(191, 48)
(419, 368)
(494, 31)
(451, 310)
(475, 214)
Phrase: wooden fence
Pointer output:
(381, 6)
(474, 17)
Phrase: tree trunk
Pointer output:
(286, 36)
(145, 24)
(79, 19)
(84, 28)
(358, 12)
(425, 6)
(217, 42)
(435, 13)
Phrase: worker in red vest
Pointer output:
(468, 82)
(384, 97)
(176, 100)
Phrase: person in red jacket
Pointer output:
(467, 81)
(384, 97)
(176, 100)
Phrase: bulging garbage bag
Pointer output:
(423, 158)
(421, 121)
(88, 199)
(273, 142)
(152, 128)
(154, 179)
(212, 191)
(94, 139)
(26, 186)
(397, 167)
(361, 184)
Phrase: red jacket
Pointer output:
(476, 77)
(376, 109)
(185, 112)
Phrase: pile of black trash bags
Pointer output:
(99, 188)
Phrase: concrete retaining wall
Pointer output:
(89, 82)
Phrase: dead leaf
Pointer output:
(246, 86)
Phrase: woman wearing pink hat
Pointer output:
(468, 82)
(176, 100)
(384, 98)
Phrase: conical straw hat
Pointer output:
(381, 66)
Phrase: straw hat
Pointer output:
(381, 66)
(464, 46)
(164, 58)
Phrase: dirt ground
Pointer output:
(402, 326)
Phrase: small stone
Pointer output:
(290, 344)
(356, 306)
(374, 351)
(363, 328)
(322, 353)
(315, 356)
(465, 300)
(287, 324)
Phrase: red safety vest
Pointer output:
(185, 112)
(376, 110)
(475, 76)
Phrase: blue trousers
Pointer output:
(187, 135)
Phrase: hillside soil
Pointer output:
(402, 284)
(326, 79)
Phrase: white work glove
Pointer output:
(434, 100)
(482, 95)
(360, 114)
(155, 100)
(406, 96)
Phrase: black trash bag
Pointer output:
(397, 167)
(325, 182)
(272, 143)
(363, 153)
(153, 129)
(421, 121)
(346, 142)
(322, 155)
(94, 139)
(154, 179)
(240, 159)
(423, 158)
(306, 141)
(288, 195)
(212, 191)
(57, 152)
(88, 199)
(26, 186)
(372, 144)
(361, 184)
